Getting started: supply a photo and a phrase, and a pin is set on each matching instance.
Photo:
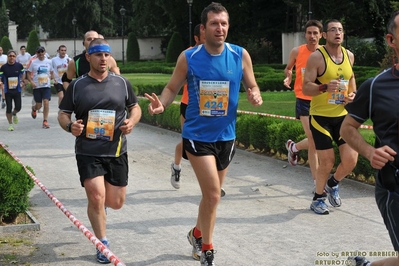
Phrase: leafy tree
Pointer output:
(33, 42)
(175, 47)
(133, 49)
(3, 20)
(5, 44)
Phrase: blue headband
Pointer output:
(101, 48)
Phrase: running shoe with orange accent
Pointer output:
(33, 114)
(45, 124)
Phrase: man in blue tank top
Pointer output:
(214, 71)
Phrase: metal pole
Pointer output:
(189, 24)
(123, 44)
(310, 10)
(74, 40)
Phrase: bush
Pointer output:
(33, 42)
(175, 47)
(365, 52)
(15, 185)
(6, 44)
(133, 49)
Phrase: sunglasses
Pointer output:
(11, 55)
(40, 51)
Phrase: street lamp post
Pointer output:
(122, 11)
(74, 35)
(310, 10)
(190, 3)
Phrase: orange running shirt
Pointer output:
(300, 63)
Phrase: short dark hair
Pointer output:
(212, 7)
(22, 46)
(61, 46)
(314, 23)
(197, 29)
(97, 41)
(325, 27)
(391, 27)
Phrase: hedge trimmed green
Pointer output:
(15, 185)
(265, 134)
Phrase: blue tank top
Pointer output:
(213, 88)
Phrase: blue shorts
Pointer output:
(301, 108)
(41, 94)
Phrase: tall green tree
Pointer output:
(3, 19)
(33, 42)
(175, 47)
(133, 49)
(5, 44)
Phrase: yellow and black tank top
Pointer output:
(341, 71)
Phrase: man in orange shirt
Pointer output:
(298, 57)
(176, 167)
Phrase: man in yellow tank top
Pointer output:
(299, 56)
(329, 79)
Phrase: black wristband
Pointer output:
(323, 87)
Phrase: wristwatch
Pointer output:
(68, 127)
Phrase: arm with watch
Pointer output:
(75, 128)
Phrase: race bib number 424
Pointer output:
(214, 97)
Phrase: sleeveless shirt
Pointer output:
(213, 82)
(340, 71)
(300, 63)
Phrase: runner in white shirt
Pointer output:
(60, 65)
(40, 73)
(23, 58)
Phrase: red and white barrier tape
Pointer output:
(277, 116)
(99, 245)
(285, 117)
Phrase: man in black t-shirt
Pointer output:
(377, 99)
(100, 100)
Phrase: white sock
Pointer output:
(176, 166)
(293, 148)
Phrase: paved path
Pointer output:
(263, 220)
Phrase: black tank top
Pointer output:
(81, 64)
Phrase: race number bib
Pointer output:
(338, 97)
(214, 98)
(101, 124)
(12, 83)
(61, 71)
(42, 79)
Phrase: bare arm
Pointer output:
(113, 67)
(158, 105)
(290, 65)
(377, 157)
(253, 91)
(134, 118)
(64, 119)
(314, 66)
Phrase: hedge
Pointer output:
(264, 134)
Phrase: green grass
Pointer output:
(140, 79)
(278, 103)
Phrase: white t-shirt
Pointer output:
(23, 59)
(3, 59)
(41, 70)
(60, 66)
